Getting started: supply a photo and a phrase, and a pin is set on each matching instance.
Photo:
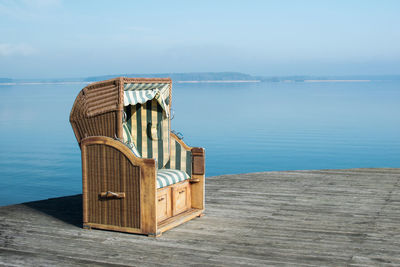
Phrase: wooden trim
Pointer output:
(198, 191)
(120, 108)
(148, 197)
(180, 141)
(126, 206)
(113, 228)
(178, 219)
(170, 114)
(198, 174)
(85, 200)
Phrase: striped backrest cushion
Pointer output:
(180, 159)
(149, 130)
(127, 137)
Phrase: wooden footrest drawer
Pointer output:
(173, 200)
(181, 198)
(164, 207)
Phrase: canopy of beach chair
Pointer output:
(140, 93)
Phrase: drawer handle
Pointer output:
(110, 194)
(161, 199)
(182, 191)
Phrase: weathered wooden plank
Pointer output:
(298, 218)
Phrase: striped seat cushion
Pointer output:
(167, 177)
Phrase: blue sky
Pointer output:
(55, 38)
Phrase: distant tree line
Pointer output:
(193, 76)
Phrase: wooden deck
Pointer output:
(292, 218)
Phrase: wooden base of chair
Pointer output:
(111, 228)
(161, 227)
(178, 219)
(158, 234)
(87, 227)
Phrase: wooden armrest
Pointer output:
(180, 141)
(104, 140)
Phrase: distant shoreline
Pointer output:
(206, 78)
(84, 82)
(334, 81)
(195, 82)
(37, 83)
(222, 81)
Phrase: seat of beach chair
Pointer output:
(166, 177)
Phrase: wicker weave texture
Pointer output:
(95, 110)
(100, 125)
(109, 170)
(101, 99)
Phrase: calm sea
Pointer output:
(245, 127)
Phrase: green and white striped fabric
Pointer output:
(149, 130)
(143, 86)
(169, 177)
(135, 97)
(128, 140)
(180, 159)
(140, 93)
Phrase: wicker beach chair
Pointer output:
(137, 175)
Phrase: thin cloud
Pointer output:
(17, 49)
(43, 3)
(27, 8)
(139, 29)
